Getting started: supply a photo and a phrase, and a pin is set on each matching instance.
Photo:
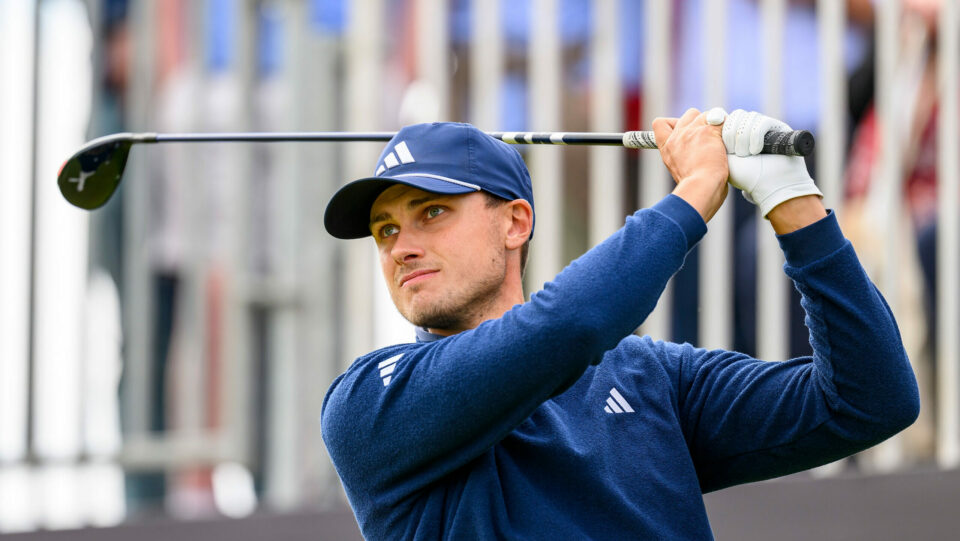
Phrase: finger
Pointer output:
(760, 129)
(663, 128)
(688, 117)
(757, 131)
(668, 120)
(743, 133)
(729, 132)
(716, 116)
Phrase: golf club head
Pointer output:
(89, 178)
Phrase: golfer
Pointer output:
(550, 419)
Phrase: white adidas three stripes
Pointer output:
(387, 367)
(401, 154)
(616, 403)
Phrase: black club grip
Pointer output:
(789, 143)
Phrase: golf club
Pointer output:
(90, 177)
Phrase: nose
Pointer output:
(406, 248)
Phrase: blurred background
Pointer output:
(163, 359)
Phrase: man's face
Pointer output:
(443, 256)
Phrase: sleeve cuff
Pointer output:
(813, 242)
(685, 216)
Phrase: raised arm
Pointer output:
(747, 420)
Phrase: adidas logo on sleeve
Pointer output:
(387, 367)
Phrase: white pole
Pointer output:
(606, 104)
(277, 94)
(655, 182)
(889, 172)
(832, 132)
(486, 65)
(138, 312)
(364, 66)
(236, 347)
(772, 285)
(17, 57)
(186, 366)
(315, 59)
(16, 133)
(60, 264)
(546, 250)
(948, 243)
(888, 177)
(716, 272)
(433, 60)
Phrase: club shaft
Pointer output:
(519, 138)
(266, 137)
(793, 143)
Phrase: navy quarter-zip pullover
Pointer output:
(556, 422)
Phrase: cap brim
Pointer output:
(348, 212)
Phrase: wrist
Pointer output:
(786, 191)
(797, 213)
(703, 193)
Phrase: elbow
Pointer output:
(901, 402)
(906, 394)
(888, 404)
(909, 407)
(879, 420)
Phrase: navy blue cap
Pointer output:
(442, 157)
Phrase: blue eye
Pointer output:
(433, 212)
(388, 230)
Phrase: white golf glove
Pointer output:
(765, 179)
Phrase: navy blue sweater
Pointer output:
(556, 422)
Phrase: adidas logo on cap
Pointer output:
(400, 154)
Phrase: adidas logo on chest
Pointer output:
(616, 403)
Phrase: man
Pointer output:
(550, 419)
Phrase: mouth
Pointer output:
(417, 276)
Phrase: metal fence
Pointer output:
(174, 347)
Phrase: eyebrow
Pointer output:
(412, 204)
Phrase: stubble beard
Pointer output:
(464, 308)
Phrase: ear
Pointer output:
(520, 222)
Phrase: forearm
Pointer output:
(857, 347)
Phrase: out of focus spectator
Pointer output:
(113, 65)
(916, 88)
